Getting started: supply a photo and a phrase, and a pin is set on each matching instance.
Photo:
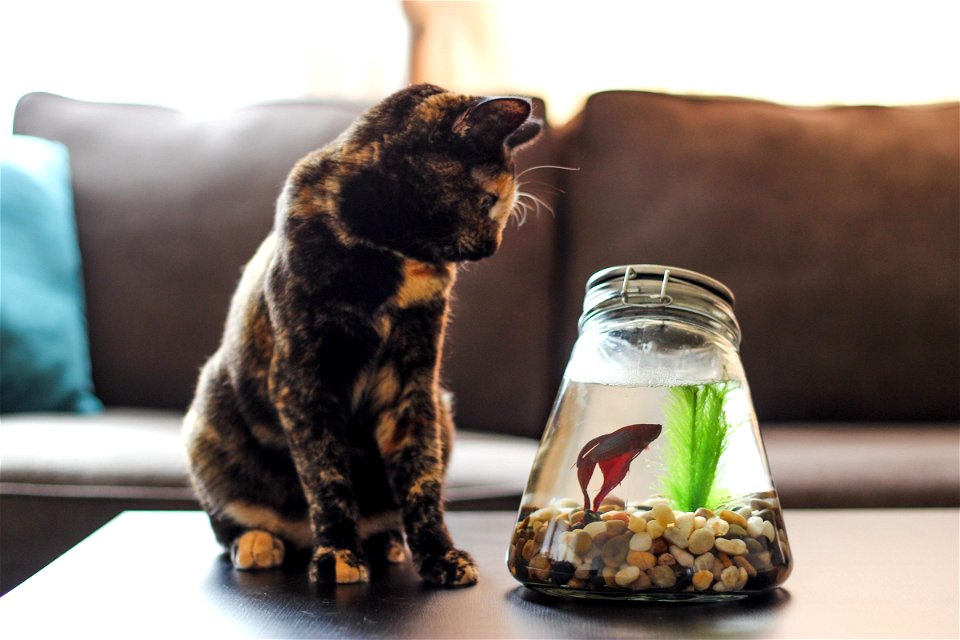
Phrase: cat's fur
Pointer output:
(319, 423)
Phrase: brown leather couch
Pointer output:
(837, 229)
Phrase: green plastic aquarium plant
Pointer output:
(697, 435)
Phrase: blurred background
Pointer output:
(211, 56)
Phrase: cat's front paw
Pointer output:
(454, 568)
(337, 566)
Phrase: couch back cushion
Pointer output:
(169, 207)
(836, 229)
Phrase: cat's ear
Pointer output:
(499, 121)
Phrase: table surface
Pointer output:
(867, 574)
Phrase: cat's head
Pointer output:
(435, 176)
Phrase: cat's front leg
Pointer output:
(409, 439)
(314, 428)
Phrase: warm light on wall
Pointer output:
(804, 53)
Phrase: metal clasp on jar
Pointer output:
(638, 299)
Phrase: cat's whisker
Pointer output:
(547, 166)
(519, 212)
(539, 202)
(554, 189)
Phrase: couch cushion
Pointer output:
(44, 358)
(836, 229)
(169, 208)
(138, 454)
(889, 465)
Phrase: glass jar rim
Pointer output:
(654, 287)
(657, 272)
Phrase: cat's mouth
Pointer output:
(477, 248)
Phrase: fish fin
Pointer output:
(614, 471)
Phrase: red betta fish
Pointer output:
(613, 452)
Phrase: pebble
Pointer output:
(762, 560)
(615, 515)
(755, 526)
(734, 547)
(704, 513)
(733, 518)
(730, 576)
(576, 517)
(675, 536)
(736, 531)
(717, 526)
(616, 501)
(582, 543)
(642, 582)
(604, 508)
(745, 512)
(704, 562)
(529, 550)
(699, 522)
(754, 546)
(601, 539)
(616, 527)
(684, 522)
(702, 580)
(659, 546)
(664, 514)
(742, 582)
(700, 541)
(545, 513)
(684, 559)
(539, 568)
(662, 576)
(740, 561)
(655, 529)
(641, 541)
(609, 576)
(768, 531)
(666, 559)
(594, 528)
(766, 514)
(642, 559)
(637, 524)
(561, 572)
(615, 551)
(626, 575)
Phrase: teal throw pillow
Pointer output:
(44, 353)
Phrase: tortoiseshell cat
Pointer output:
(319, 424)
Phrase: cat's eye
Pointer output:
(488, 201)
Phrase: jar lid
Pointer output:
(655, 286)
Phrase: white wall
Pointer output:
(207, 55)
(801, 52)
(202, 55)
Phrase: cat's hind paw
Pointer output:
(256, 550)
(339, 566)
(455, 568)
(385, 545)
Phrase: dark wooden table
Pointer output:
(867, 574)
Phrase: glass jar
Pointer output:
(651, 481)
